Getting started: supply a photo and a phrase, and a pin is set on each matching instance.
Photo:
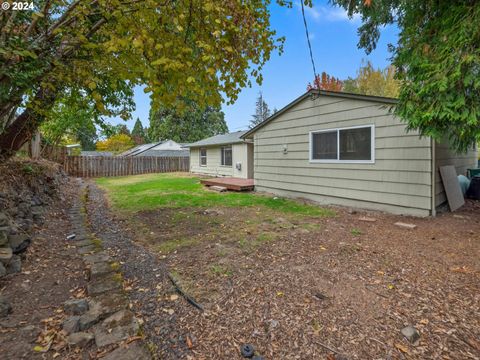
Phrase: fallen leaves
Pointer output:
(402, 348)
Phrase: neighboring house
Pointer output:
(223, 155)
(167, 148)
(73, 149)
(348, 149)
(96, 153)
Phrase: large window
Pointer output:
(354, 144)
(203, 157)
(226, 156)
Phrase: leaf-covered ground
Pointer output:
(303, 285)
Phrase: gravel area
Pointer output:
(147, 283)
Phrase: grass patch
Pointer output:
(263, 238)
(150, 191)
(172, 245)
(355, 232)
(220, 270)
(311, 226)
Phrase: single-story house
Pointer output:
(350, 150)
(223, 155)
(167, 148)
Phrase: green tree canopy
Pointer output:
(195, 49)
(193, 124)
(437, 60)
(76, 117)
(371, 81)
(117, 143)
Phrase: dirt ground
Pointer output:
(52, 272)
(294, 286)
(300, 287)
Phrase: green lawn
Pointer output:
(150, 191)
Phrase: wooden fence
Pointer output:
(96, 166)
(54, 153)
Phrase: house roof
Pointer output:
(230, 138)
(161, 145)
(167, 153)
(137, 149)
(381, 99)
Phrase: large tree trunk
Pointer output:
(21, 130)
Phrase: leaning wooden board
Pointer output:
(452, 187)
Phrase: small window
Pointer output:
(325, 145)
(343, 145)
(203, 157)
(226, 156)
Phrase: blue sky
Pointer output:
(334, 43)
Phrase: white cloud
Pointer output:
(329, 14)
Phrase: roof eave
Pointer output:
(216, 144)
(382, 99)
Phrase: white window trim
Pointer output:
(338, 161)
(221, 150)
(200, 157)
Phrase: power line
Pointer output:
(308, 40)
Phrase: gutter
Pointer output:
(434, 172)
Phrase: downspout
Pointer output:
(434, 172)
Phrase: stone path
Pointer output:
(105, 318)
(146, 275)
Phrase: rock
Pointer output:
(405, 225)
(3, 271)
(80, 339)
(5, 255)
(102, 286)
(4, 235)
(273, 324)
(218, 188)
(367, 219)
(352, 211)
(213, 211)
(37, 212)
(97, 257)
(132, 351)
(98, 270)
(15, 265)
(3, 219)
(31, 332)
(71, 324)
(76, 306)
(115, 328)
(83, 243)
(5, 307)
(101, 307)
(19, 242)
(26, 225)
(411, 334)
(87, 249)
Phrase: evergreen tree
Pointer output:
(262, 112)
(138, 132)
(190, 125)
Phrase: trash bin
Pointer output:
(473, 172)
(473, 191)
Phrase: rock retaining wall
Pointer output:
(26, 189)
